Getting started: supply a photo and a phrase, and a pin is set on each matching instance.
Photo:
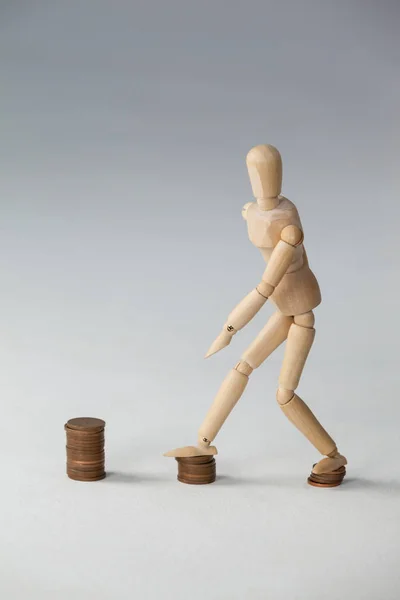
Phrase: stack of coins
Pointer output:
(85, 449)
(327, 479)
(196, 469)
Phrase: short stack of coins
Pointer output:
(332, 479)
(196, 470)
(85, 449)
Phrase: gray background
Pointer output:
(124, 130)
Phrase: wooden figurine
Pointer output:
(274, 227)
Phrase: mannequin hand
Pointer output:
(223, 340)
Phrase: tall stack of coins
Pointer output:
(327, 479)
(85, 449)
(196, 469)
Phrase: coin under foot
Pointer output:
(327, 479)
(196, 470)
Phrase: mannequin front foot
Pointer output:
(187, 451)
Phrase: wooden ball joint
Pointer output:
(275, 229)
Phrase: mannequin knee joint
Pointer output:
(284, 396)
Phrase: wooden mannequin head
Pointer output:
(264, 165)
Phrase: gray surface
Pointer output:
(122, 250)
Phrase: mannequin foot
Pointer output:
(187, 451)
(329, 464)
(328, 472)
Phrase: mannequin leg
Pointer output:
(270, 337)
(300, 338)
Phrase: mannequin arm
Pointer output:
(278, 264)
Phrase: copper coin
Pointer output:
(84, 441)
(85, 466)
(88, 432)
(194, 482)
(83, 432)
(88, 474)
(85, 447)
(329, 476)
(86, 424)
(85, 455)
(204, 475)
(196, 470)
(84, 444)
(332, 479)
(97, 461)
(78, 453)
(200, 474)
(86, 438)
(75, 467)
(338, 471)
(70, 461)
(319, 479)
(79, 478)
(323, 485)
(184, 479)
(195, 460)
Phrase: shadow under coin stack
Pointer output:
(327, 479)
(85, 449)
(196, 469)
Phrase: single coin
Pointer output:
(323, 485)
(86, 474)
(86, 424)
(76, 442)
(194, 460)
(79, 478)
(84, 452)
(193, 482)
(86, 463)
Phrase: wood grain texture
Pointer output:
(301, 416)
(298, 292)
(190, 451)
(298, 345)
(327, 465)
(264, 165)
(228, 394)
(281, 257)
(270, 337)
(246, 310)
